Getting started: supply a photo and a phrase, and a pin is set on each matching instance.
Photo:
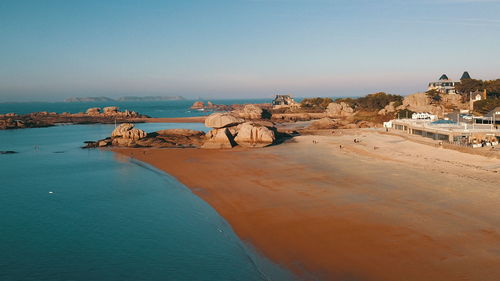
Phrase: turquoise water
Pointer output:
(153, 109)
(74, 214)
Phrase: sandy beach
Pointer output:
(385, 208)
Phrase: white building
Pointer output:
(444, 85)
(423, 116)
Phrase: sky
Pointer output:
(53, 49)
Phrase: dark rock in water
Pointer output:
(7, 152)
(90, 144)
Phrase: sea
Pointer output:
(86, 214)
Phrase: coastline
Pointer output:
(383, 209)
(195, 119)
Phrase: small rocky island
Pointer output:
(246, 128)
(106, 115)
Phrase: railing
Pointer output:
(450, 128)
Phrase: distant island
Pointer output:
(128, 98)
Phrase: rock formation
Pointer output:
(221, 120)
(198, 105)
(420, 102)
(219, 138)
(388, 109)
(93, 111)
(249, 111)
(126, 135)
(323, 124)
(230, 131)
(339, 110)
(250, 134)
(93, 115)
(110, 110)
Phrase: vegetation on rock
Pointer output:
(321, 103)
(485, 106)
(373, 102)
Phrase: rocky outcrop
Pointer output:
(198, 105)
(222, 120)
(110, 110)
(454, 101)
(93, 115)
(323, 124)
(126, 135)
(93, 111)
(250, 134)
(339, 110)
(121, 130)
(365, 124)
(420, 102)
(388, 109)
(249, 111)
(180, 132)
(416, 100)
(230, 130)
(219, 138)
(210, 106)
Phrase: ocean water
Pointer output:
(153, 109)
(74, 214)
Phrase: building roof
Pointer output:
(493, 112)
(443, 77)
(465, 76)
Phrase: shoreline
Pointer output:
(195, 119)
(346, 213)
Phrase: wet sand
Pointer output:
(196, 119)
(382, 209)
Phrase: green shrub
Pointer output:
(316, 102)
(372, 102)
(487, 105)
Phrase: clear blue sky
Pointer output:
(254, 48)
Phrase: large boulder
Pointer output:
(250, 111)
(416, 100)
(110, 110)
(365, 124)
(250, 134)
(453, 101)
(134, 134)
(122, 142)
(93, 111)
(222, 120)
(121, 129)
(323, 124)
(198, 105)
(339, 110)
(420, 102)
(390, 108)
(218, 138)
(180, 132)
(127, 131)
